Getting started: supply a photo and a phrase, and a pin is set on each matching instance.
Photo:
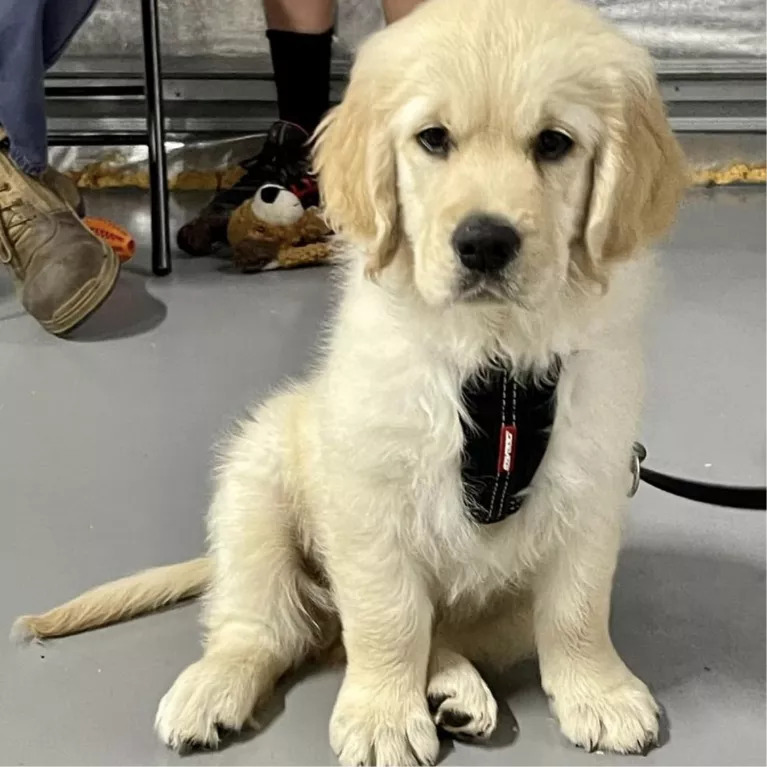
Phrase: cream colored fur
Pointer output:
(119, 600)
(340, 500)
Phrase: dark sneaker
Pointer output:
(284, 160)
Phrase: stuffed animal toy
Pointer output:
(272, 230)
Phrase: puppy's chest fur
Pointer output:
(398, 417)
(476, 527)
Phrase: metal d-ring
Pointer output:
(638, 454)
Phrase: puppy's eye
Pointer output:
(435, 140)
(551, 145)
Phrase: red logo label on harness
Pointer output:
(507, 449)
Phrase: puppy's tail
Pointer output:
(119, 600)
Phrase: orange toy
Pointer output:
(121, 241)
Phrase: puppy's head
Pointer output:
(502, 147)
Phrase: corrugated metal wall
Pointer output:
(670, 28)
(717, 105)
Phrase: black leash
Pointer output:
(754, 498)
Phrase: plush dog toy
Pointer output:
(272, 230)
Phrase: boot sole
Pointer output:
(89, 298)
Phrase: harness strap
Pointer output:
(505, 439)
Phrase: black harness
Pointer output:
(506, 436)
(505, 439)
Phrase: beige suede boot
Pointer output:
(63, 272)
(64, 188)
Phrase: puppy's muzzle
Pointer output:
(485, 244)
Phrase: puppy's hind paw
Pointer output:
(460, 702)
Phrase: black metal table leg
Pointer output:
(158, 178)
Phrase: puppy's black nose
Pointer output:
(485, 243)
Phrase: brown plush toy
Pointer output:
(272, 230)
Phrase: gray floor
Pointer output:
(104, 455)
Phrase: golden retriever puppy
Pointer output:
(495, 171)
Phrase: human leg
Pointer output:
(63, 272)
(396, 9)
(300, 36)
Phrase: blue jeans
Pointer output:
(33, 34)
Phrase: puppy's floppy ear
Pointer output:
(639, 176)
(354, 157)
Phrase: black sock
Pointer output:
(301, 65)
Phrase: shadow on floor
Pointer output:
(129, 311)
(667, 604)
(679, 615)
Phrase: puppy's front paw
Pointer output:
(207, 699)
(378, 725)
(460, 701)
(621, 718)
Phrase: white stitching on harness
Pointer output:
(513, 423)
(503, 419)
